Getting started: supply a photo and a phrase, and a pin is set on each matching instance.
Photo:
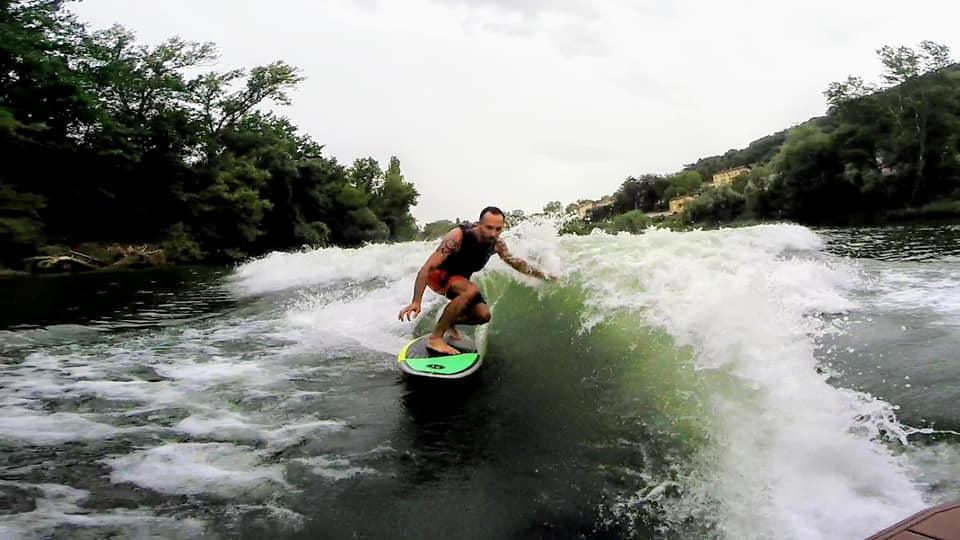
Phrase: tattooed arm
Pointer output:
(519, 264)
(449, 244)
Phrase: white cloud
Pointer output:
(519, 102)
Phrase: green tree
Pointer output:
(228, 211)
(107, 139)
(20, 227)
(682, 183)
(367, 175)
(392, 203)
(553, 207)
(633, 222)
(718, 205)
(646, 193)
(436, 229)
(899, 138)
(809, 184)
(221, 107)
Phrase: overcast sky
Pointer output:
(520, 102)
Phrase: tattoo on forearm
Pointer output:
(515, 262)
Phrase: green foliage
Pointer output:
(392, 203)
(714, 206)
(362, 226)
(683, 183)
(946, 209)
(436, 229)
(107, 139)
(883, 146)
(646, 193)
(180, 245)
(20, 227)
(314, 234)
(367, 175)
(634, 222)
(809, 183)
(553, 207)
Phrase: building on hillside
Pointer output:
(677, 204)
(727, 176)
(582, 209)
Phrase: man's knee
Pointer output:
(469, 292)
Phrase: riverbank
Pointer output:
(89, 256)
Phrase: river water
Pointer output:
(764, 382)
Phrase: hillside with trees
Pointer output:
(883, 151)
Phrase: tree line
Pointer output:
(107, 139)
(883, 150)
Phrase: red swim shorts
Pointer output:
(439, 281)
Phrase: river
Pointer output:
(765, 382)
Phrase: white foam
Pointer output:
(59, 506)
(790, 455)
(279, 271)
(238, 427)
(192, 468)
(216, 370)
(922, 287)
(335, 468)
(368, 317)
(36, 428)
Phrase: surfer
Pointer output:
(462, 252)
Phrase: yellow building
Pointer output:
(585, 207)
(677, 204)
(725, 177)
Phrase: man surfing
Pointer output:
(462, 252)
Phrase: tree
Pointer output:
(899, 138)
(553, 207)
(687, 182)
(20, 227)
(221, 107)
(107, 139)
(715, 205)
(436, 229)
(645, 193)
(392, 203)
(367, 175)
(809, 184)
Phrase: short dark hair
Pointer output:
(491, 210)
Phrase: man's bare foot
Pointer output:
(454, 335)
(437, 344)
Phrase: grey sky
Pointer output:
(520, 102)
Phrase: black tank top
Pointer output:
(471, 257)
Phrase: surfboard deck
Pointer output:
(416, 360)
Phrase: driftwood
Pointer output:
(59, 263)
(123, 256)
(137, 256)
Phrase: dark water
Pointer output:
(211, 402)
(511, 453)
(114, 300)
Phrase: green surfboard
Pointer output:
(416, 360)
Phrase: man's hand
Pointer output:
(520, 264)
(411, 311)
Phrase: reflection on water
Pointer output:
(899, 243)
(114, 300)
